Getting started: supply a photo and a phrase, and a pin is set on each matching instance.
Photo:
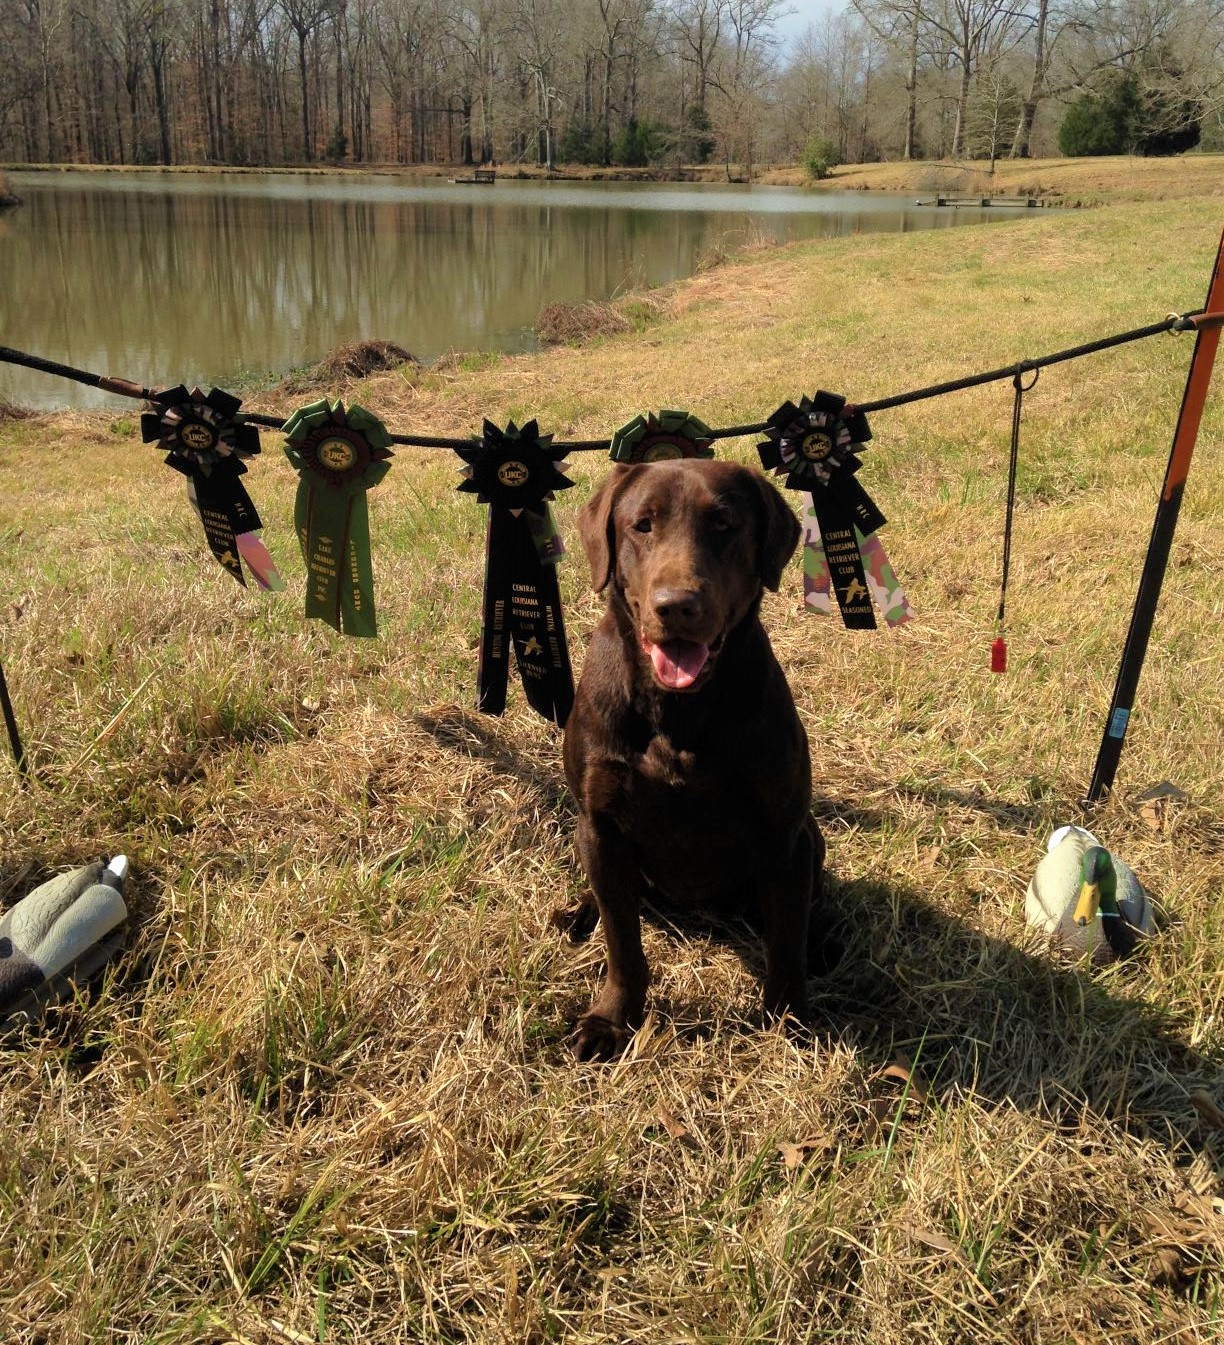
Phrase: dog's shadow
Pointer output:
(1008, 1023)
(893, 972)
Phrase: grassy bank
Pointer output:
(1095, 181)
(326, 1096)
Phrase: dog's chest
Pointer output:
(663, 765)
(679, 797)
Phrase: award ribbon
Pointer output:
(339, 455)
(813, 445)
(882, 581)
(515, 472)
(206, 441)
(669, 435)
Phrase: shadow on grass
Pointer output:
(1009, 816)
(892, 973)
(477, 735)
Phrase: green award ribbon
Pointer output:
(814, 446)
(339, 455)
(515, 472)
(669, 435)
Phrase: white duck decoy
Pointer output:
(62, 933)
(1087, 899)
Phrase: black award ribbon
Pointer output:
(516, 472)
(205, 439)
(813, 445)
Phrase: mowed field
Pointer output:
(325, 1095)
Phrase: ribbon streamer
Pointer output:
(814, 446)
(205, 440)
(882, 582)
(516, 472)
(339, 455)
(667, 436)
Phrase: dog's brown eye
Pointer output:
(722, 523)
(642, 525)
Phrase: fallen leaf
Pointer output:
(1164, 790)
(903, 1068)
(1153, 816)
(1208, 1111)
(937, 1241)
(793, 1155)
(676, 1129)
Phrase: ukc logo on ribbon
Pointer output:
(516, 472)
(815, 446)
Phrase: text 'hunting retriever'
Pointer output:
(684, 750)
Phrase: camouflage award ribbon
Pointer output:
(669, 435)
(515, 472)
(206, 441)
(813, 445)
(339, 455)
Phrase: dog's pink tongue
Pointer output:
(678, 663)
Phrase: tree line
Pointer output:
(665, 82)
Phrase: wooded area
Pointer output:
(667, 82)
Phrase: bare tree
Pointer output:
(900, 25)
(971, 28)
(305, 17)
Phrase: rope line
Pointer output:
(1175, 322)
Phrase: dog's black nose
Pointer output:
(677, 604)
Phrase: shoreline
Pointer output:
(1065, 182)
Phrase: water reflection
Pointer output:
(162, 277)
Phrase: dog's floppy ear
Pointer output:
(778, 531)
(597, 529)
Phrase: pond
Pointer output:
(208, 278)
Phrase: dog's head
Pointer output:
(688, 546)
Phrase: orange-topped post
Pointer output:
(1185, 436)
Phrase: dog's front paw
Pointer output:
(598, 1038)
(577, 922)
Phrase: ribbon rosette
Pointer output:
(669, 435)
(205, 440)
(815, 446)
(516, 472)
(339, 455)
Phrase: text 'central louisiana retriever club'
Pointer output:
(684, 750)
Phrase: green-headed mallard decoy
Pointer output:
(1087, 899)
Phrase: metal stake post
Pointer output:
(1157, 559)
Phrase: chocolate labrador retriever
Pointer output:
(684, 751)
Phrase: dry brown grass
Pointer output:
(577, 324)
(1109, 178)
(572, 324)
(326, 1096)
(347, 364)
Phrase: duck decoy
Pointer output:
(1087, 899)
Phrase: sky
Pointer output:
(808, 12)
